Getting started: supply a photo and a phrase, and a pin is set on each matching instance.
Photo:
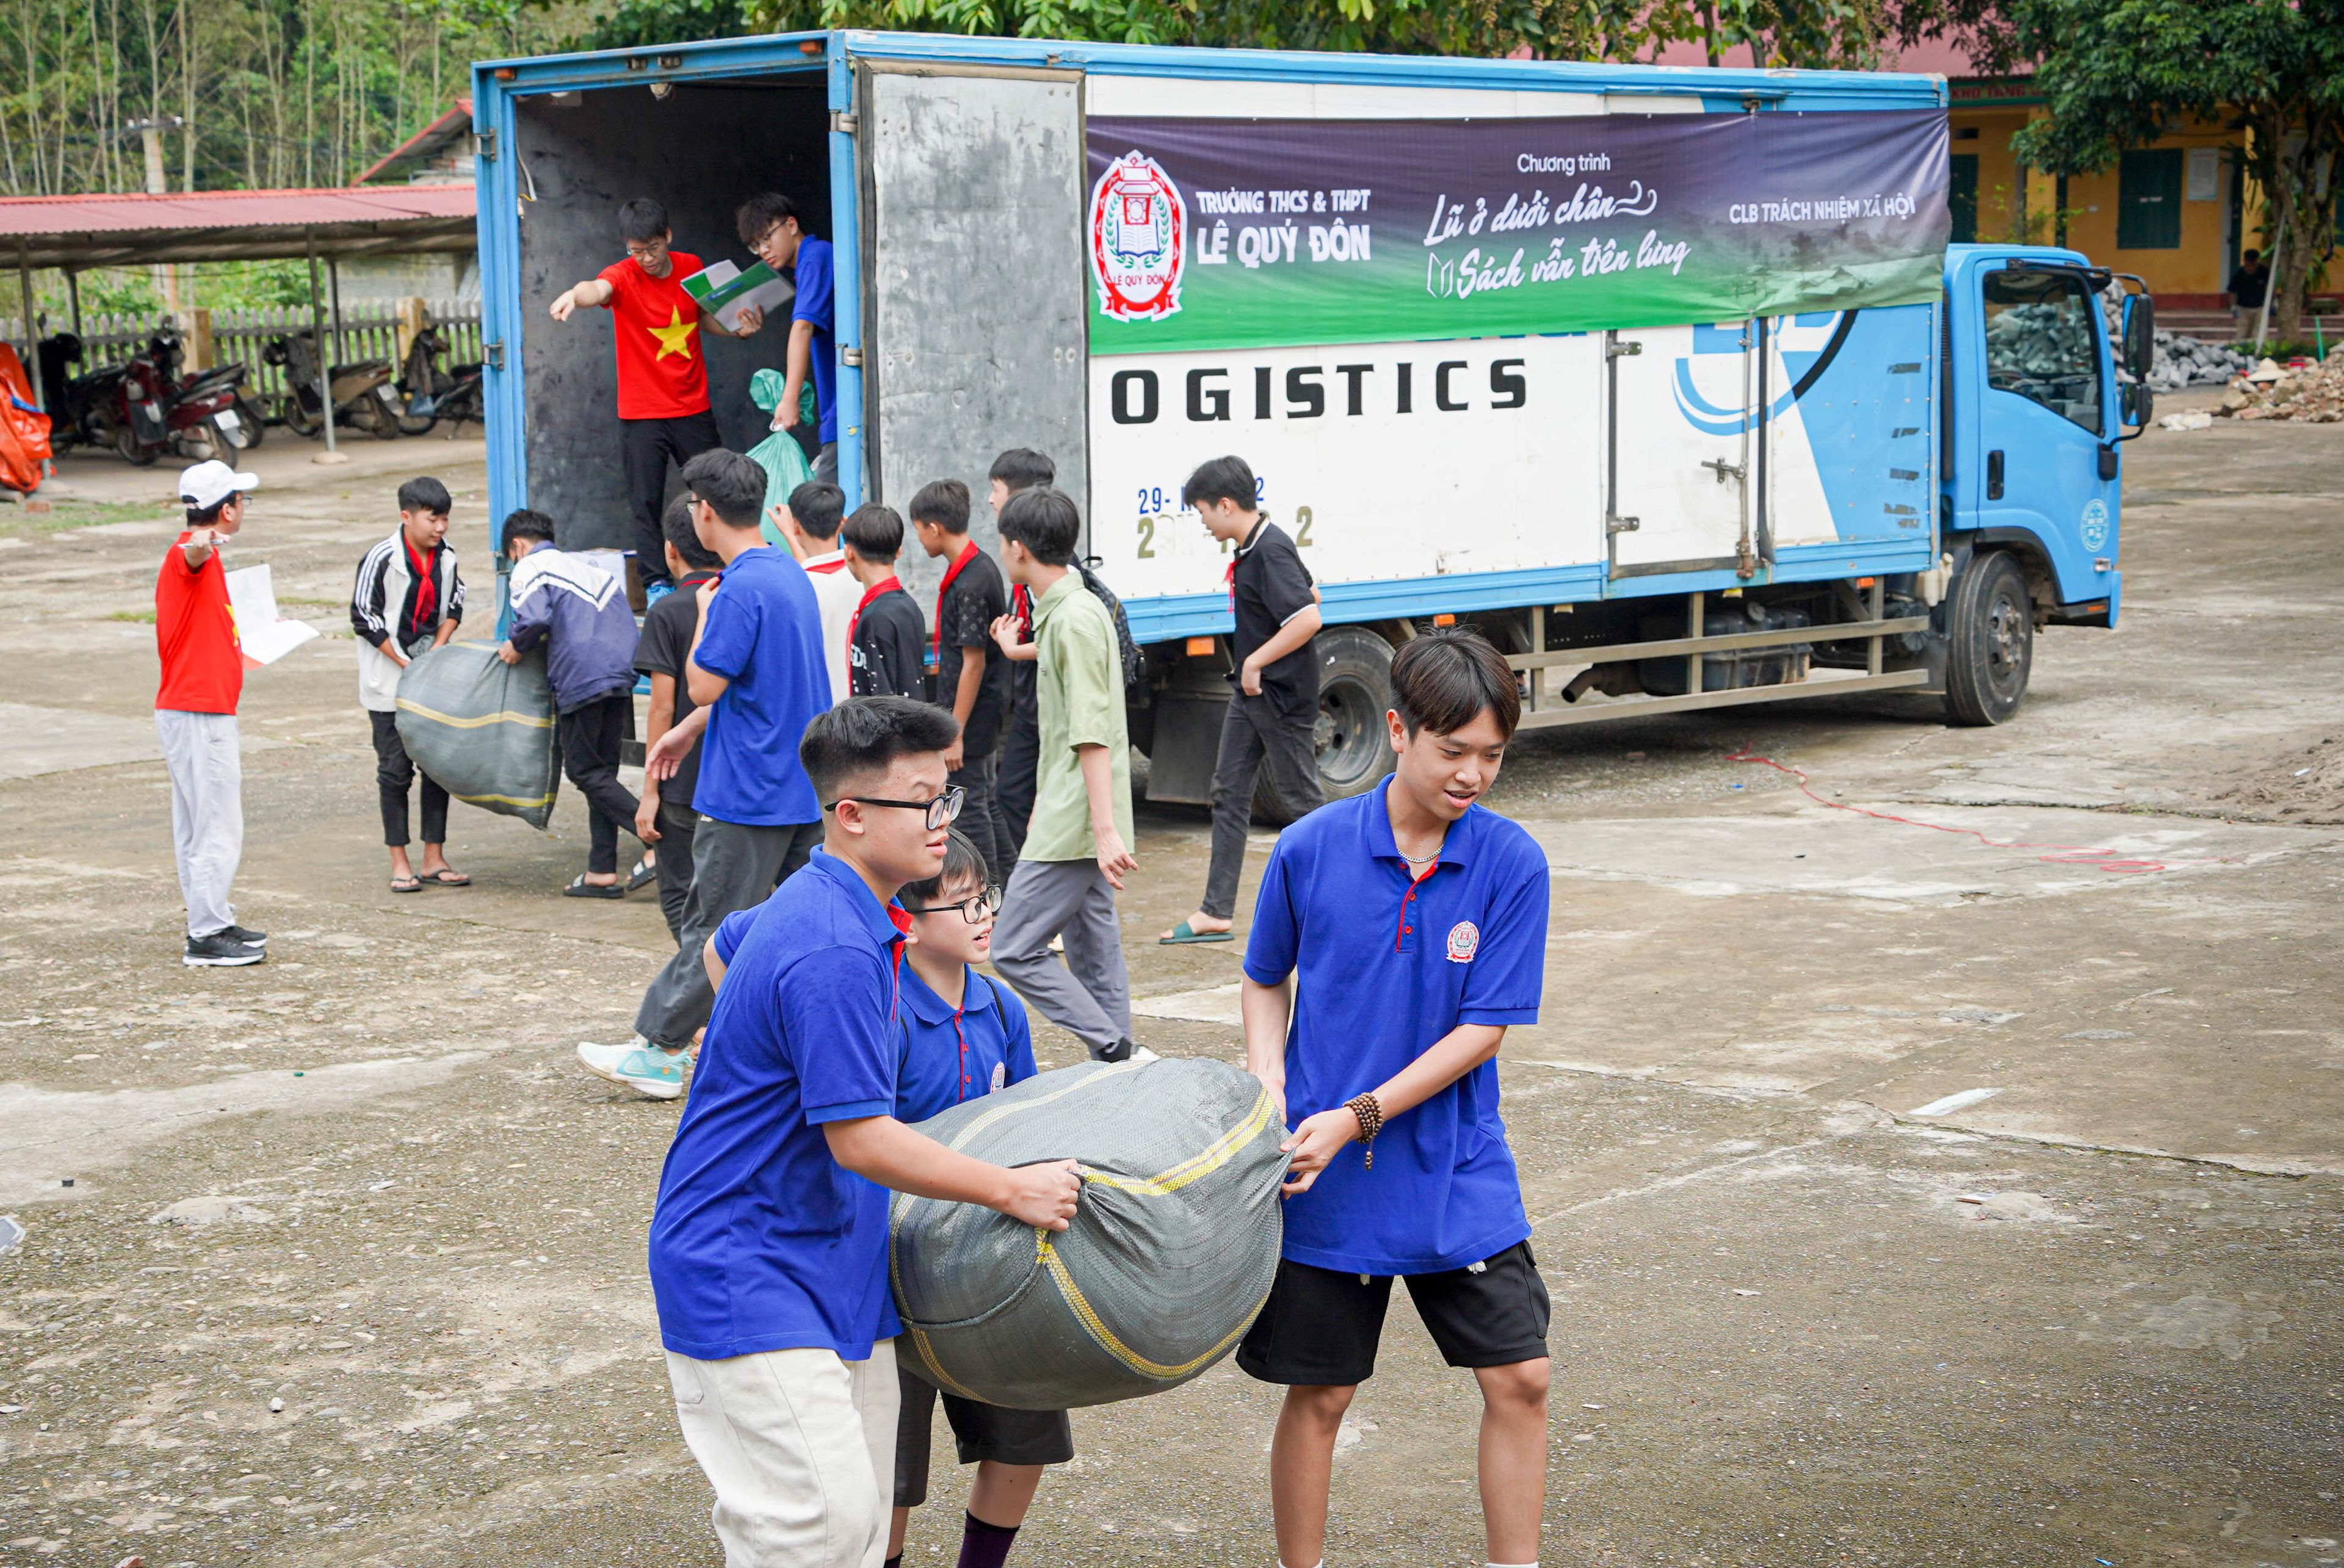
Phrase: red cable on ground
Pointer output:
(2106, 860)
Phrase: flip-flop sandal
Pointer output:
(446, 876)
(642, 876)
(407, 885)
(1184, 935)
(581, 888)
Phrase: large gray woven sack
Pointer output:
(483, 728)
(1171, 1252)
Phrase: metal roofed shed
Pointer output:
(75, 233)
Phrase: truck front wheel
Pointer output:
(1990, 641)
(1354, 694)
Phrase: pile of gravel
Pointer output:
(2180, 362)
(2186, 362)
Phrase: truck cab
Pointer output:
(2035, 401)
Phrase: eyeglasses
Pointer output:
(940, 810)
(976, 911)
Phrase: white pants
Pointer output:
(206, 810)
(801, 1449)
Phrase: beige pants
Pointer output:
(801, 1449)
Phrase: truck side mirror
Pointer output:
(2139, 333)
(2137, 408)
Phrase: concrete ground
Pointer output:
(1907, 1196)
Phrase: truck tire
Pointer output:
(1990, 641)
(1354, 693)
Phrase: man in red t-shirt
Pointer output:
(195, 714)
(655, 326)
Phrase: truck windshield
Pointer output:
(2042, 342)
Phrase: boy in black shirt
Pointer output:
(1275, 708)
(972, 678)
(885, 641)
(1018, 469)
(665, 817)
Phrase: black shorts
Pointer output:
(1321, 1327)
(980, 1432)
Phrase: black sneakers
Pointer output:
(221, 951)
(239, 934)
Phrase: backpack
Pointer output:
(1134, 663)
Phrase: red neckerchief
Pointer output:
(968, 554)
(902, 922)
(887, 585)
(838, 565)
(1021, 604)
(427, 591)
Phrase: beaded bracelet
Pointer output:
(1371, 1122)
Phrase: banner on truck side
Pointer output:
(1209, 234)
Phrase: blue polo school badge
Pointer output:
(1464, 937)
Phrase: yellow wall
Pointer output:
(2199, 266)
(1999, 199)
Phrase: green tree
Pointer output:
(1550, 29)
(2115, 74)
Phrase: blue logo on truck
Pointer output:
(2095, 530)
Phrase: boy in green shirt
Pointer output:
(1077, 842)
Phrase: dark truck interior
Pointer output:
(699, 150)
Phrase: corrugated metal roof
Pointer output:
(115, 230)
(426, 144)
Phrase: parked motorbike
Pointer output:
(421, 382)
(363, 397)
(462, 402)
(75, 400)
(156, 412)
(143, 407)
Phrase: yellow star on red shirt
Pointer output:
(675, 337)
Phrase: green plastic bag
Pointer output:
(779, 454)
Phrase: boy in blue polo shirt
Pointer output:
(961, 1036)
(757, 674)
(769, 1244)
(1396, 937)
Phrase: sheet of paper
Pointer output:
(768, 296)
(725, 291)
(263, 636)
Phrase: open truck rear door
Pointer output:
(971, 174)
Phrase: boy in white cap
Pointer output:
(195, 714)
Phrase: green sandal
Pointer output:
(1184, 935)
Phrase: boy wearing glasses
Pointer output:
(655, 327)
(960, 1038)
(1076, 841)
(772, 226)
(769, 1243)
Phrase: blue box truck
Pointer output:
(1667, 379)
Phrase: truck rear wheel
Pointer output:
(1990, 641)
(1354, 694)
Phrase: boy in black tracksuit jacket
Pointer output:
(887, 641)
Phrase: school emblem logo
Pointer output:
(2094, 524)
(1137, 236)
(1464, 937)
(1000, 1076)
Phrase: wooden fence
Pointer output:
(369, 331)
